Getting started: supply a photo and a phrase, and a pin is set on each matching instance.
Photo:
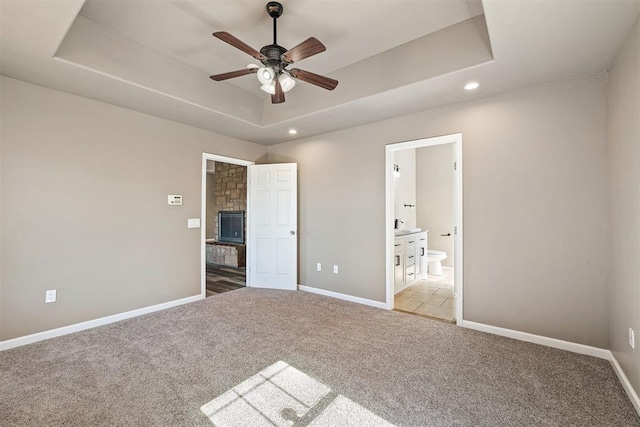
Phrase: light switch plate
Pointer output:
(193, 223)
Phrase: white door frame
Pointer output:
(203, 214)
(390, 149)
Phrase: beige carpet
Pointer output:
(259, 357)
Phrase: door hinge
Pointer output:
(455, 166)
(455, 230)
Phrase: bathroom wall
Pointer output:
(624, 204)
(405, 187)
(435, 196)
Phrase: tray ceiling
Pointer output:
(391, 57)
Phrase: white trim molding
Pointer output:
(52, 333)
(458, 257)
(600, 353)
(344, 297)
(626, 384)
(573, 347)
(203, 214)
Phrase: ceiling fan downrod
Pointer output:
(275, 9)
(274, 52)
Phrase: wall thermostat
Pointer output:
(174, 199)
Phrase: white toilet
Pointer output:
(435, 258)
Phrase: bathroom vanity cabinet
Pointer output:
(398, 264)
(410, 259)
(421, 255)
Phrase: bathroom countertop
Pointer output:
(402, 233)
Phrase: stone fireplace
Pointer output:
(227, 191)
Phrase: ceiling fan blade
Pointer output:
(314, 79)
(232, 74)
(239, 44)
(307, 48)
(278, 97)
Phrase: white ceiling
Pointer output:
(391, 57)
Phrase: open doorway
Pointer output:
(269, 222)
(224, 228)
(424, 232)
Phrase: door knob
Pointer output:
(292, 233)
(446, 235)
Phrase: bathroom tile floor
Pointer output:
(430, 297)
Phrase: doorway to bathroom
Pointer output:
(424, 227)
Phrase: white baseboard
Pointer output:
(345, 297)
(626, 384)
(600, 353)
(510, 333)
(52, 333)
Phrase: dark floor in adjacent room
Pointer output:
(221, 278)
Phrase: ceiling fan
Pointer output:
(276, 79)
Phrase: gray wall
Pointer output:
(84, 207)
(435, 194)
(535, 206)
(624, 173)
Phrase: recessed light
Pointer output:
(292, 131)
(472, 86)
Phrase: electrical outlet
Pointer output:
(318, 267)
(632, 338)
(335, 269)
(50, 296)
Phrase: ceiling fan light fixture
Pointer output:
(286, 82)
(269, 88)
(266, 75)
(274, 61)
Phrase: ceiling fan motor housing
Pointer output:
(273, 52)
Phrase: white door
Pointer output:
(273, 226)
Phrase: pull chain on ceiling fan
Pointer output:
(276, 79)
